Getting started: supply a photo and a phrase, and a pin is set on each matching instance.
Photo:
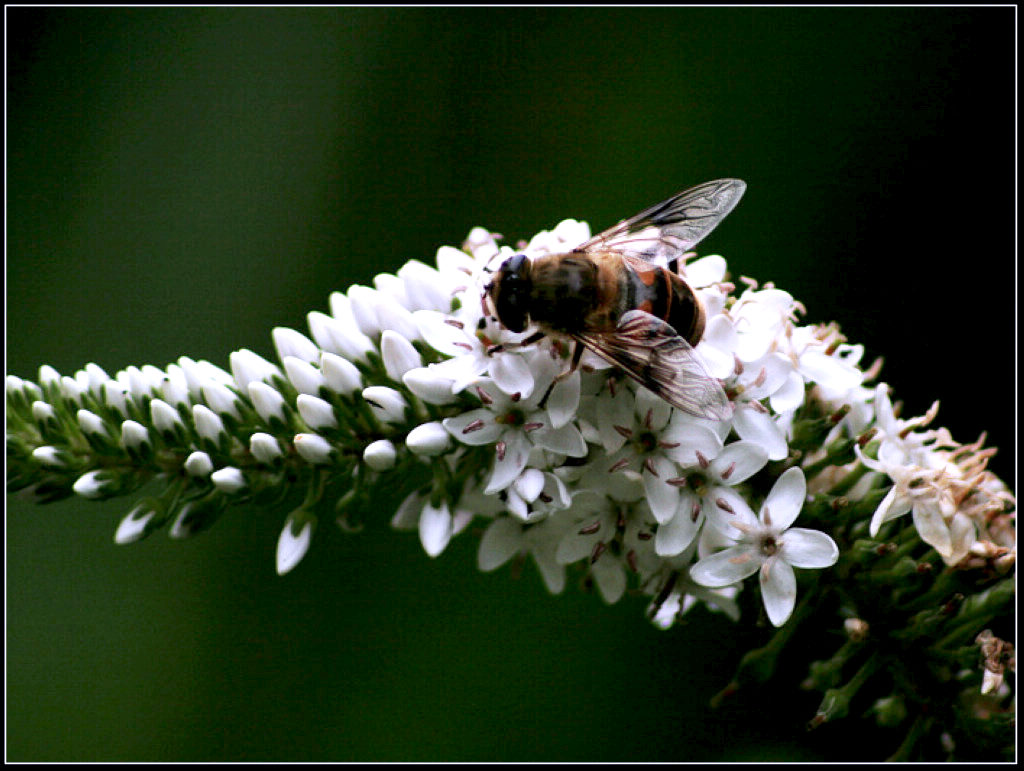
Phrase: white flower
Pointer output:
(199, 464)
(768, 543)
(506, 538)
(476, 346)
(514, 427)
(706, 487)
(658, 440)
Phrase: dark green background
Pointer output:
(180, 181)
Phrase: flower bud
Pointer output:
(428, 385)
(387, 403)
(198, 464)
(306, 378)
(248, 367)
(267, 400)
(340, 374)
(265, 448)
(398, 354)
(145, 516)
(228, 479)
(221, 399)
(208, 423)
(313, 448)
(429, 439)
(294, 541)
(290, 342)
(317, 413)
(380, 455)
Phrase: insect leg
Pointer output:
(536, 336)
(577, 354)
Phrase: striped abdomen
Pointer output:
(663, 294)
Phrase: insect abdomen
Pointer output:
(665, 295)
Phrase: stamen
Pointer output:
(455, 323)
(484, 396)
(676, 481)
(649, 465)
(590, 529)
(704, 463)
(476, 425)
(724, 505)
(599, 548)
(619, 464)
(532, 426)
(499, 447)
(623, 431)
(728, 472)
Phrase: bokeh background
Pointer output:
(182, 180)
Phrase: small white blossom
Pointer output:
(265, 448)
(291, 343)
(768, 543)
(267, 401)
(208, 423)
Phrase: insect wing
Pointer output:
(667, 230)
(656, 356)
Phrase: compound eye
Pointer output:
(512, 302)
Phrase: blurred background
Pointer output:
(182, 180)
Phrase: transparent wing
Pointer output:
(668, 229)
(652, 353)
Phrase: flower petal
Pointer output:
(662, 497)
(435, 528)
(675, 535)
(785, 499)
(726, 567)
(500, 543)
(778, 590)
(803, 548)
(475, 427)
(511, 464)
(511, 374)
(932, 527)
(567, 440)
(738, 461)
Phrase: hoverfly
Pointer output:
(619, 295)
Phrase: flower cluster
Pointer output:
(413, 382)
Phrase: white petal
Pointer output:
(386, 403)
(778, 590)
(690, 438)
(407, 517)
(675, 535)
(830, 372)
(932, 527)
(804, 548)
(610, 579)
(790, 394)
(530, 484)
(662, 497)
(786, 498)
(439, 334)
(564, 400)
(511, 374)
(739, 461)
(726, 567)
(500, 543)
(475, 427)
(506, 469)
(228, 479)
(304, 376)
(756, 426)
(435, 528)
(706, 270)
(567, 440)
(723, 507)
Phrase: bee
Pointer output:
(620, 296)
